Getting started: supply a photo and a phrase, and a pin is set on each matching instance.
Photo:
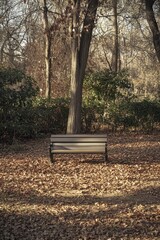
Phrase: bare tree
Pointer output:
(150, 15)
(80, 49)
(12, 35)
(47, 35)
(115, 55)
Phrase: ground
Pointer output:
(80, 196)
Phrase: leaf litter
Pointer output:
(80, 196)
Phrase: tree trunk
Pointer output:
(115, 55)
(153, 26)
(48, 66)
(80, 50)
(47, 35)
(74, 110)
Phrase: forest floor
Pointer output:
(80, 196)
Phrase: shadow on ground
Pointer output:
(76, 217)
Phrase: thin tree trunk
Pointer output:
(80, 50)
(47, 35)
(115, 55)
(153, 26)
(48, 66)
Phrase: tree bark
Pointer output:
(47, 36)
(73, 117)
(115, 55)
(80, 49)
(153, 26)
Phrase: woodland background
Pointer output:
(121, 88)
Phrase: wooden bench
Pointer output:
(78, 143)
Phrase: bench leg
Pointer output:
(51, 158)
(50, 153)
(106, 158)
(106, 154)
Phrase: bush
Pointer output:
(146, 113)
(51, 116)
(138, 115)
(108, 100)
(103, 93)
(22, 115)
(106, 86)
(17, 92)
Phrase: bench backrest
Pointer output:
(92, 138)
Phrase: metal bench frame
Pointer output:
(78, 143)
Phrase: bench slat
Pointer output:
(87, 144)
(80, 150)
(79, 135)
(80, 140)
(88, 147)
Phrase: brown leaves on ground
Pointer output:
(79, 196)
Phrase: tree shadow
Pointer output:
(148, 195)
(73, 226)
(81, 217)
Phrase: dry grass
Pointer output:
(79, 196)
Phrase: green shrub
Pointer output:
(51, 116)
(108, 99)
(17, 92)
(138, 115)
(146, 113)
(103, 93)
(106, 86)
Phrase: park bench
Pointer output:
(78, 143)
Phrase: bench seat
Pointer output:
(78, 143)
